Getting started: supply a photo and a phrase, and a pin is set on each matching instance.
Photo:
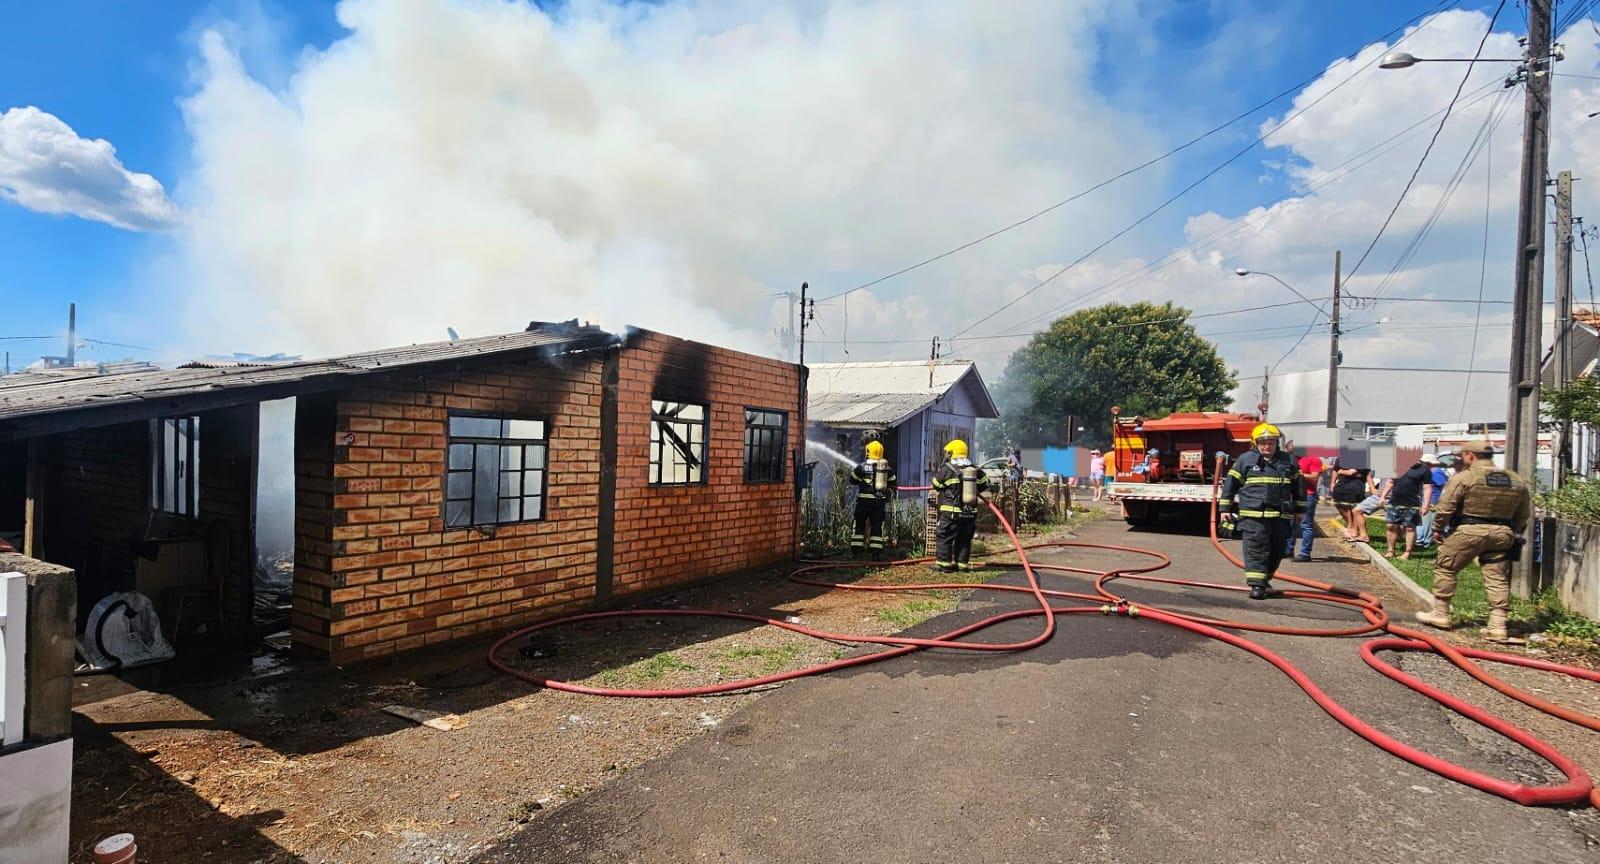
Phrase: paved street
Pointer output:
(1120, 741)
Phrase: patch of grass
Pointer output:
(647, 669)
(1543, 613)
(914, 612)
(736, 659)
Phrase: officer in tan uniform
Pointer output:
(1485, 510)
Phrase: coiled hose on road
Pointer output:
(1577, 789)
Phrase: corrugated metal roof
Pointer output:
(42, 394)
(866, 411)
(887, 376)
(887, 392)
(72, 373)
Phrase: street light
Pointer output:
(1404, 60)
(1242, 271)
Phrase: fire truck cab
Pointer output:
(1169, 465)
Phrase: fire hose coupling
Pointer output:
(1121, 607)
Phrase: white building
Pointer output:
(1374, 402)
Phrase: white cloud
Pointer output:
(47, 167)
(477, 164)
(1295, 237)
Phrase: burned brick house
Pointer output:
(439, 491)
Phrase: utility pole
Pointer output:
(1563, 347)
(72, 334)
(933, 356)
(1266, 391)
(1333, 347)
(806, 316)
(1522, 415)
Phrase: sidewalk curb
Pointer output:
(1423, 595)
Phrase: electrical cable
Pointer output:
(1327, 178)
(1475, 148)
(1471, 65)
(1437, 8)
(1483, 273)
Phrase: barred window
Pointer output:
(677, 443)
(765, 436)
(175, 465)
(495, 471)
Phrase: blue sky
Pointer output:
(119, 71)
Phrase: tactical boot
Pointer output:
(1496, 631)
(1258, 591)
(1438, 616)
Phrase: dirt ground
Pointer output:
(302, 764)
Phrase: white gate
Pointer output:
(13, 642)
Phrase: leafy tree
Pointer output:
(1578, 402)
(1145, 358)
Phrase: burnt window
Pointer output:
(765, 436)
(677, 443)
(175, 465)
(494, 471)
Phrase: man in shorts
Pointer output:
(1405, 495)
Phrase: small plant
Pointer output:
(914, 612)
(768, 659)
(1578, 500)
(647, 669)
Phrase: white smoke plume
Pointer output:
(480, 163)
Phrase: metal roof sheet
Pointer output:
(29, 396)
(886, 392)
(866, 411)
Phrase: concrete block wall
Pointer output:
(667, 535)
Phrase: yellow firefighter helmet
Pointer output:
(1265, 430)
(956, 449)
(874, 449)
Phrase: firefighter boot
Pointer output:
(1496, 631)
(1259, 591)
(1438, 616)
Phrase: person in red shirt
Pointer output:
(1310, 474)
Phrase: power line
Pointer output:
(1437, 7)
(1483, 273)
(1333, 175)
(1475, 148)
(1471, 65)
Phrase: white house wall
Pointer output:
(1381, 396)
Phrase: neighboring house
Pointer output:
(916, 406)
(441, 491)
(1584, 351)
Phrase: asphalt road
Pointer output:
(1119, 741)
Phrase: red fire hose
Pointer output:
(1577, 789)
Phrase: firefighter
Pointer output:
(1482, 513)
(1261, 495)
(958, 488)
(875, 488)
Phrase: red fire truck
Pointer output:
(1168, 465)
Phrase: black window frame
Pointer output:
(185, 499)
(504, 443)
(666, 440)
(764, 459)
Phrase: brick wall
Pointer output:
(377, 572)
(397, 579)
(671, 534)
